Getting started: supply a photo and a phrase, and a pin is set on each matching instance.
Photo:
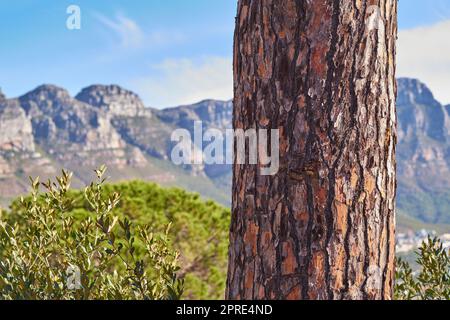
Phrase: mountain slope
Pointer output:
(47, 129)
(423, 154)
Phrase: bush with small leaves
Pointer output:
(433, 279)
(47, 253)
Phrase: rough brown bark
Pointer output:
(323, 72)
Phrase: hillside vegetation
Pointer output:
(199, 229)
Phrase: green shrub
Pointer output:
(433, 279)
(50, 251)
(199, 229)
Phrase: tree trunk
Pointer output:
(323, 73)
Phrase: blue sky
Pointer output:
(169, 51)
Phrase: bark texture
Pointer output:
(323, 73)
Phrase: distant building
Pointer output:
(406, 242)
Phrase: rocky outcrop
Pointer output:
(423, 131)
(16, 134)
(61, 123)
(147, 133)
(47, 129)
(113, 99)
(420, 113)
(423, 153)
(134, 123)
(212, 113)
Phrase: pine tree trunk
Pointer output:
(323, 73)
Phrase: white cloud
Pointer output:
(127, 30)
(131, 36)
(184, 81)
(424, 53)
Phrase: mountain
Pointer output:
(213, 114)
(47, 129)
(423, 154)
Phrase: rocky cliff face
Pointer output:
(71, 132)
(423, 132)
(135, 124)
(47, 129)
(213, 114)
(16, 132)
(59, 121)
(113, 99)
(420, 113)
(16, 146)
(423, 153)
